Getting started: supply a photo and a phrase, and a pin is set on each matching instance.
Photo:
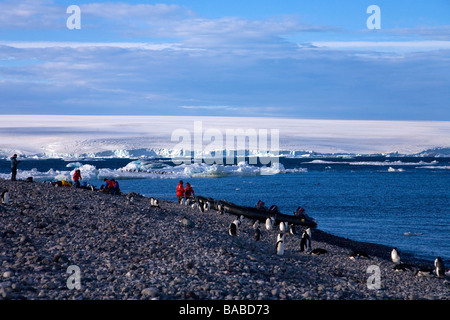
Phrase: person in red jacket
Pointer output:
(76, 178)
(180, 191)
(189, 192)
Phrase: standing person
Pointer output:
(180, 191)
(76, 178)
(14, 163)
(189, 192)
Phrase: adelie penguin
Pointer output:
(284, 227)
(221, 209)
(280, 244)
(318, 251)
(154, 202)
(395, 256)
(357, 254)
(5, 197)
(439, 267)
(292, 230)
(269, 223)
(234, 227)
(305, 242)
(257, 234)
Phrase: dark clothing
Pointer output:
(14, 164)
(115, 189)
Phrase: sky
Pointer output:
(285, 58)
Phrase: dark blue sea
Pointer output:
(395, 201)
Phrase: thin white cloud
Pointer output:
(77, 45)
(401, 46)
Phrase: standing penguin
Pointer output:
(269, 223)
(308, 231)
(5, 197)
(439, 267)
(284, 227)
(234, 226)
(292, 229)
(395, 256)
(257, 234)
(305, 242)
(280, 244)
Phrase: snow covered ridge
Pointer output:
(210, 157)
(147, 137)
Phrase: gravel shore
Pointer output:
(122, 247)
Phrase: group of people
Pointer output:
(183, 192)
(110, 186)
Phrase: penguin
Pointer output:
(194, 205)
(305, 242)
(257, 234)
(403, 267)
(234, 226)
(255, 225)
(154, 202)
(319, 251)
(439, 267)
(183, 201)
(269, 223)
(201, 207)
(308, 231)
(356, 254)
(283, 227)
(424, 272)
(280, 244)
(206, 206)
(292, 230)
(395, 256)
(220, 209)
(5, 197)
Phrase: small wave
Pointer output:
(413, 234)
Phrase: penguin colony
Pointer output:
(305, 240)
(236, 224)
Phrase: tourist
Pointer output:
(14, 163)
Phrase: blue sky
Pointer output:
(296, 59)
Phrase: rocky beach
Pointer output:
(64, 243)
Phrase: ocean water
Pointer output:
(395, 201)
